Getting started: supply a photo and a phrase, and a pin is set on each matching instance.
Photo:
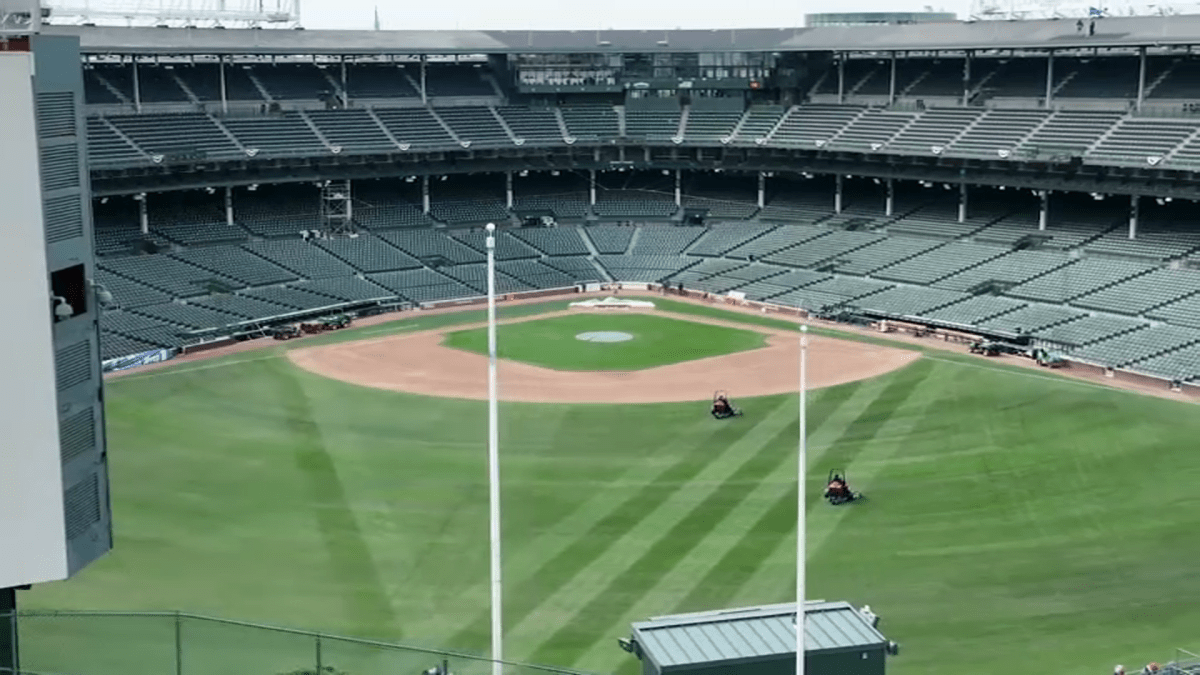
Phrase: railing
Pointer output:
(173, 643)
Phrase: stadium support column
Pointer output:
(842, 77)
(508, 189)
(424, 96)
(762, 189)
(889, 202)
(1141, 95)
(425, 195)
(1049, 78)
(962, 202)
(892, 81)
(592, 187)
(229, 206)
(1044, 210)
(137, 86)
(224, 87)
(345, 85)
(1135, 210)
(966, 100)
(678, 187)
(143, 213)
(837, 193)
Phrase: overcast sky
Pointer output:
(591, 14)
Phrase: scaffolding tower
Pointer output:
(337, 209)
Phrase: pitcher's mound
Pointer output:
(604, 336)
(418, 363)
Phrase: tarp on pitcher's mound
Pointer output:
(613, 303)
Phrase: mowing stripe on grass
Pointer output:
(367, 604)
(739, 547)
(872, 454)
(558, 604)
(744, 558)
(587, 544)
(671, 546)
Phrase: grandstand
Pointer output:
(651, 185)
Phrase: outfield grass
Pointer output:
(657, 341)
(1016, 521)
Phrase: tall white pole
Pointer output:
(801, 474)
(494, 458)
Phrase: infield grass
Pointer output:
(657, 341)
(1016, 521)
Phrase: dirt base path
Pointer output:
(419, 363)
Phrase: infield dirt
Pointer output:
(419, 363)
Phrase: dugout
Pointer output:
(840, 640)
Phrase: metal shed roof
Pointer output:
(753, 633)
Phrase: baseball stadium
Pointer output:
(987, 229)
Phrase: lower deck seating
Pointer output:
(163, 299)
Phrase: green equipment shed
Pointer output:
(839, 640)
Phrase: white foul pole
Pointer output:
(801, 474)
(494, 459)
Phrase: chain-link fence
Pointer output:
(164, 643)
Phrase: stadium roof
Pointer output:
(753, 634)
(1061, 34)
